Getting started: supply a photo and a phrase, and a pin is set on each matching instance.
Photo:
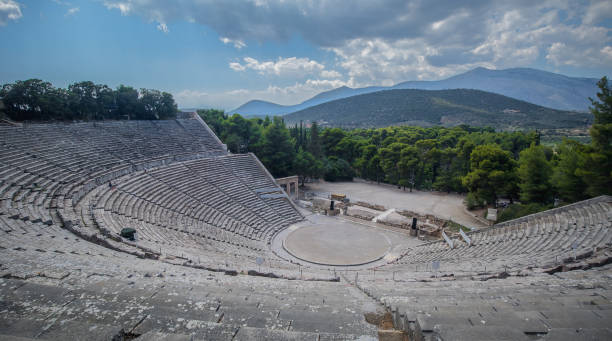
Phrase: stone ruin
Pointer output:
(201, 267)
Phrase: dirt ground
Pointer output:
(443, 205)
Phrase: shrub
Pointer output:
(519, 210)
(472, 201)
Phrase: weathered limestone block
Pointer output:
(321, 203)
(395, 219)
(362, 212)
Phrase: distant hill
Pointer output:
(437, 107)
(262, 108)
(535, 86)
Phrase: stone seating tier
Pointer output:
(541, 240)
(173, 179)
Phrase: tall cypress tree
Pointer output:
(315, 141)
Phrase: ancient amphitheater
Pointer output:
(219, 252)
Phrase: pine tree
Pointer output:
(534, 173)
(567, 183)
(277, 152)
(596, 168)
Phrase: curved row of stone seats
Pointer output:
(56, 286)
(572, 305)
(47, 170)
(242, 184)
(254, 175)
(194, 127)
(180, 213)
(60, 155)
(542, 240)
(191, 191)
(207, 184)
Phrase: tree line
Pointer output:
(485, 164)
(37, 100)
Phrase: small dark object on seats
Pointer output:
(128, 233)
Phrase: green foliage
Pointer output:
(519, 210)
(455, 227)
(331, 139)
(306, 166)
(314, 146)
(337, 170)
(157, 105)
(534, 173)
(214, 118)
(565, 179)
(492, 173)
(36, 100)
(2, 113)
(472, 201)
(277, 152)
(596, 166)
(602, 108)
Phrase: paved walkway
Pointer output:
(443, 205)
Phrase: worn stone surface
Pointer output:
(337, 243)
(205, 264)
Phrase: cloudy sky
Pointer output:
(222, 53)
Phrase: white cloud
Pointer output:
(237, 66)
(287, 95)
(292, 66)
(163, 27)
(597, 11)
(380, 62)
(330, 74)
(430, 38)
(9, 10)
(124, 7)
(238, 44)
(72, 11)
(388, 41)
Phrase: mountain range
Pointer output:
(539, 87)
(437, 107)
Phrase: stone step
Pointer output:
(216, 331)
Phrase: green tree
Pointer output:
(429, 157)
(128, 105)
(314, 147)
(390, 161)
(306, 166)
(330, 139)
(492, 173)
(408, 167)
(449, 176)
(157, 105)
(368, 163)
(214, 119)
(35, 99)
(338, 170)
(534, 173)
(565, 178)
(277, 152)
(84, 101)
(596, 168)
